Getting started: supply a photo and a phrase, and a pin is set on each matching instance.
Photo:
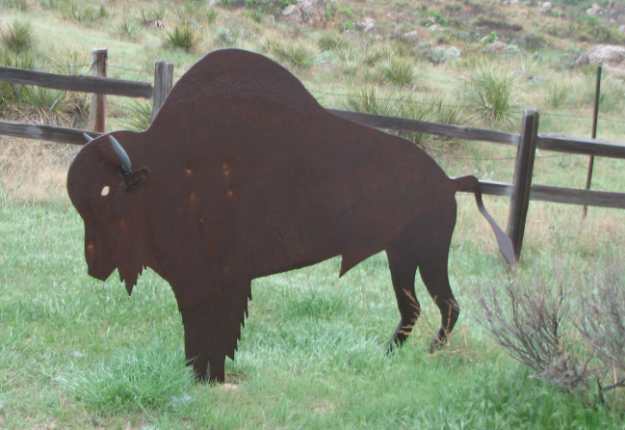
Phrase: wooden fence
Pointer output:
(99, 85)
(520, 191)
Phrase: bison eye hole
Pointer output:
(105, 191)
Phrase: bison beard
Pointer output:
(242, 174)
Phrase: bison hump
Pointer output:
(235, 74)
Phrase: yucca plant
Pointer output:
(398, 71)
(488, 91)
(296, 55)
(138, 115)
(18, 37)
(183, 37)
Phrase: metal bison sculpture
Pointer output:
(242, 174)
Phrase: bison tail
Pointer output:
(472, 185)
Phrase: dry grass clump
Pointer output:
(33, 171)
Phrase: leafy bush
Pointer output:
(182, 37)
(489, 92)
(18, 37)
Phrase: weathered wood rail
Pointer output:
(520, 191)
(79, 83)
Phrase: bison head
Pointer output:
(109, 196)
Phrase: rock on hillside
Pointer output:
(311, 12)
(611, 56)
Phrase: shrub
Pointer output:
(18, 37)
(489, 92)
(182, 37)
(528, 324)
(603, 324)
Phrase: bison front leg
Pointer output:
(212, 328)
(203, 341)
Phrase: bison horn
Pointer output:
(121, 153)
(87, 137)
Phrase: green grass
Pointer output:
(75, 351)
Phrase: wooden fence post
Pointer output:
(97, 118)
(163, 82)
(522, 181)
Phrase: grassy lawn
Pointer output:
(76, 353)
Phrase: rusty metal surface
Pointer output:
(243, 174)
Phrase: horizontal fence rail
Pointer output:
(552, 142)
(447, 130)
(570, 196)
(86, 84)
(44, 132)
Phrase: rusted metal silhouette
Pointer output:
(243, 174)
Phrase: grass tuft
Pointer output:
(129, 28)
(331, 42)
(398, 71)
(138, 116)
(18, 37)
(557, 94)
(489, 91)
(296, 55)
(133, 381)
(182, 37)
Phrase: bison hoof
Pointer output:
(437, 344)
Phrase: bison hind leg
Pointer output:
(403, 266)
